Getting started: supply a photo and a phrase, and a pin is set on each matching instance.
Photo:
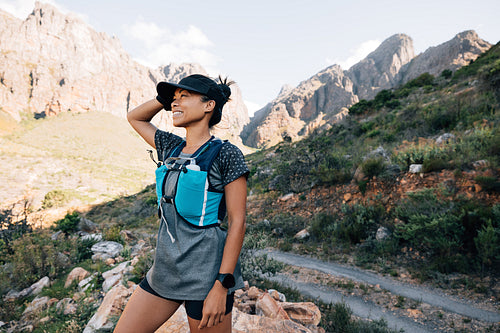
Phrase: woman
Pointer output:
(194, 264)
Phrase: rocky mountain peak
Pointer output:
(379, 69)
(54, 62)
(453, 54)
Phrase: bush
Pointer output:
(444, 230)
(373, 166)
(69, 223)
(358, 222)
(57, 198)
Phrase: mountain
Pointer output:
(52, 63)
(323, 98)
(453, 54)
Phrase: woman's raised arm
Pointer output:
(140, 119)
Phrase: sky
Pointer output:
(265, 44)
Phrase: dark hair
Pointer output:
(226, 92)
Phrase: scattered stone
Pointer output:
(106, 249)
(87, 282)
(306, 313)
(36, 306)
(246, 323)
(86, 225)
(127, 235)
(445, 138)
(77, 274)
(115, 275)
(347, 197)
(1, 323)
(56, 235)
(110, 261)
(382, 233)
(112, 305)
(67, 305)
(286, 197)
(277, 295)
(177, 323)
(253, 292)
(415, 168)
(268, 307)
(44, 320)
(302, 234)
(481, 164)
(92, 237)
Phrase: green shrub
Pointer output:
(373, 166)
(69, 223)
(358, 222)
(446, 73)
(141, 268)
(57, 198)
(113, 234)
(488, 183)
(322, 226)
(488, 245)
(434, 164)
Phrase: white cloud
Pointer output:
(162, 46)
(357, 54)
(252, 107)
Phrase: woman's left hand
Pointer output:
(214, 306)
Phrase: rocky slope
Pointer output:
(452, 55)
(52, 63)
(323, 97)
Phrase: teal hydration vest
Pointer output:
(195, 199)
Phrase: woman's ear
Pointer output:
(209, 106)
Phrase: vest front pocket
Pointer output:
(191, 196)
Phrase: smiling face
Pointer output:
(188, 108)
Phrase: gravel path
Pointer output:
(425, 295)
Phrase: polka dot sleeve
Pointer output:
(165, 142)
(231, 163)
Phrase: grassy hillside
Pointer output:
(352, 179)
(73, 157)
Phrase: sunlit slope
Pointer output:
(90, 156)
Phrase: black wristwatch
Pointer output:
(227, 280)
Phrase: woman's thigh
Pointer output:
(223, 327)
(145, 312)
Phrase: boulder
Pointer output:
(306, 313)
(177, 323)
(302, 234)
(277, 295)
(88, 282)
(253, 292)
(445, 138)
(67, 306)
(246, 323)
(112, 305)
(382, 233)
(77, 274)
(268, 307)
(286, 197)
(115, 275)
(106, 249)
(37, 305)
(86, 225)
(415, 168)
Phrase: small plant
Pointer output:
(69, 223)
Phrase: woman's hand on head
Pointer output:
(214, 306)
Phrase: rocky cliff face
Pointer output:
(380, 68)
(323, 98)
(452, 55)
(52, 63)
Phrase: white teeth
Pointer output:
(176, 113)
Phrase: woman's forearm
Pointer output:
(140, 119)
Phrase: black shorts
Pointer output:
(194, 309)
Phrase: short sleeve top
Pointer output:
(228, 166)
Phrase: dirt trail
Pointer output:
(421, 294)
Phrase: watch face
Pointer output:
(228, 281)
